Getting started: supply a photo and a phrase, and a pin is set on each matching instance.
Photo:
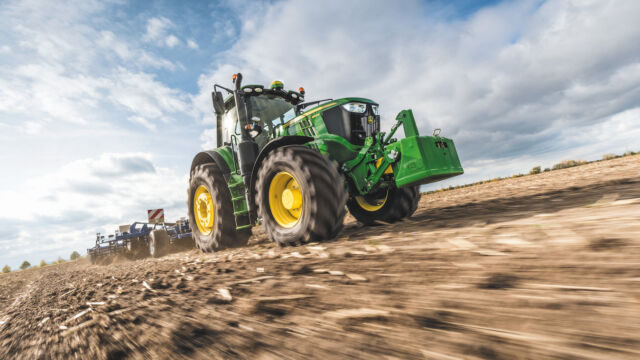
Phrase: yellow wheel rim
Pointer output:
(372, 204)
(285, 199)
(203, 210)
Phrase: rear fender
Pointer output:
(224, 163)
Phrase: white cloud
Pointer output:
(172, 41)
(142, 121)
(506, 82)
(158, 32)
(192, 44)
(141, 94)
(108, 40)
(71, 88)
(612, 134)
(31, 127)
(85, 196)
(41, 91)
(157, 28)
(208, 139)
(64, 70)
(46, 94)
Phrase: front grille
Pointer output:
(352, 126)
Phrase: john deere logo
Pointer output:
(370, 119)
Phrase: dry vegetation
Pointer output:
(538, 169)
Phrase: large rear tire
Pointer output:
(300, 196)
(211, 212)
(388, 205)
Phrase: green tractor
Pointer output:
(296, 167)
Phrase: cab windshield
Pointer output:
(271, 111)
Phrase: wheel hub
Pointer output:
(291, 198)
(203, 210)
(285, 199)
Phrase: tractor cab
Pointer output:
(266, 110)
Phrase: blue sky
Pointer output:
(104, 103)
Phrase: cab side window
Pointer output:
(230, 125)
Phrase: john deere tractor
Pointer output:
(297, 166)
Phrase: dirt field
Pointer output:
(538, 267)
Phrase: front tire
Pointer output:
(211, 212)
(388, 205)
(300, 196)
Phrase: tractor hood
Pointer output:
(337, 102)
(351, 118)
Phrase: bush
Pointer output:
(609, 156)
(25, 265)
(546, 169)
(535, 170)
(43, 263)
(628, 153)
(568, 163)
(74, 256)
(6, 269)
(60, 260)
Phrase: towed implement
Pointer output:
(140, 240)
(297, 167)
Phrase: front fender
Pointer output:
(270, 146)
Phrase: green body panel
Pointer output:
(235, 183)
(335, 147)
(238, 198)
(310, 122)
(418, 159)
(227, 155)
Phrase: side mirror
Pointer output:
(255, 130)
(218, 102)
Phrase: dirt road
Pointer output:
(543, 266)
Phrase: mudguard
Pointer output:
(272, 145)
(214, 156)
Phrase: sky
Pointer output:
(103, 104)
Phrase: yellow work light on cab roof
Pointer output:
(277, 85)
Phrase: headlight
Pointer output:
(375, 109)
(355, 107)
